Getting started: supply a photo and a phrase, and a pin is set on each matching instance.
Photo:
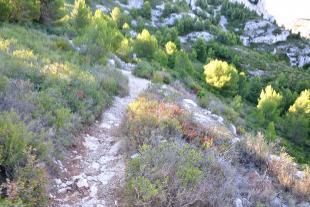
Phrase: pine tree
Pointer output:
(222, 76)
(269, 104)
(302, 103)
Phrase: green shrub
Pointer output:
(255, 88)
(6, 9)
(62, 118)
(185, 25)
(228, 38)
(237, 13)
(172, 173)
(215, 2)
(114, 83)
(161, 77)
(237, 103)
(146, 10)
(3, 83)
(169, 9)
(271, 132)
(144, 70)
(183, 65)
(20, 10)
(31, 184)
(100, 37)
(296, 128)
(202, 4)
(145, 44)
(201, 49)
(161, 57)
(143, 187)
(80, 15)
(14, 138)
(166, 34)
(203, 101)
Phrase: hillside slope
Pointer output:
(221, 98)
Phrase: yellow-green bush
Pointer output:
(222, 76)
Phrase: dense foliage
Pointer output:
(222, 76)
(54, 81)
(43, 10)
(50, 89)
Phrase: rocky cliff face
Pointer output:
(262, 7)
(266, 31)
(259, 6)
(261, 32)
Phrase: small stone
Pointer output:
(303, 204)
(299, 174)
(93, 191)
(238, 202)
(235, 140)
(58, 181)
(91, 178)
(105, 177)
(69, 182)
(63, 190)
(111, 63)
(189, 102)
(220, 119)
(82, 183)
(233, 129)
(95, 165)
(115, 148)
(135, 156)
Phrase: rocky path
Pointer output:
(96, 174)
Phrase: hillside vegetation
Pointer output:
(55, 81)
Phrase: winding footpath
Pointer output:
(97, 171)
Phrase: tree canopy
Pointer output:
(222, 75)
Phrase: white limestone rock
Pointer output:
(188, 103)
(193, 36)
(238, 202)
(103, 8)
(82, 183)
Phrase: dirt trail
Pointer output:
(97, 174)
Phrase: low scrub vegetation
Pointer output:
(49, 90)
(179, 161)
(54, 81)
(184, 174)
(169, 174)
(282, 166)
